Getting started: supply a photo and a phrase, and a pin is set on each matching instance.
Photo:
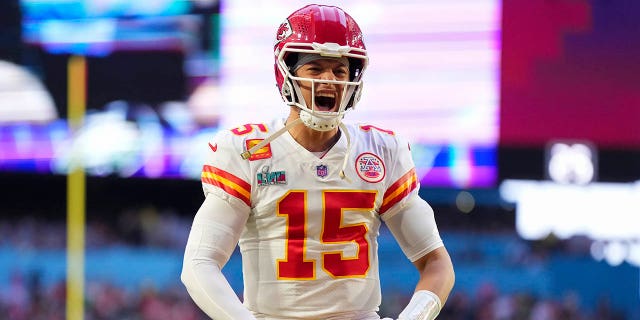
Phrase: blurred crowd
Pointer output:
(135, 227)
(488, 304)
(25, 297)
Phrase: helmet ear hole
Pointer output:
(290, 60)
(355, 68)
(287, 90)
(355, 97)
(287, 86)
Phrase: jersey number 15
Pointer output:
(293, 206)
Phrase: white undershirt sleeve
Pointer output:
(214, 235)
(414, 228)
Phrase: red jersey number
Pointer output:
(295, 265)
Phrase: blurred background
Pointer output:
(524, 119)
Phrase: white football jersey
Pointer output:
(309, 247)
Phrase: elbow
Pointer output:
(186, 275)
(448, 271)
(449, 276)
(195, 269)
(452, 277)
(183, 277)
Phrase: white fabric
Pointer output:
(415, 229)
(424, 305)
(309, 245)
(213, 237)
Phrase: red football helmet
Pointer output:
(329, 32)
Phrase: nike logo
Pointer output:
(213, 147)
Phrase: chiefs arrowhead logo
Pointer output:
(284, 31)
(213, 147)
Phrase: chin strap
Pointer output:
(347, 153)
(245, 155)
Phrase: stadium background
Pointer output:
(483, 88)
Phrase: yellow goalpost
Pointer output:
(76, 191)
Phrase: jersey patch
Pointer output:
(370, 167)
(322, 171)
(266, 177)
(262, 153)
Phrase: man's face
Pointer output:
(327, 95)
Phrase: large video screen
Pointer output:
(433, 77)
(573, 78)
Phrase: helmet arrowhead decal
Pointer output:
(284, 31)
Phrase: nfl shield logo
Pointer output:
(322, 171)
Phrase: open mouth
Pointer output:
(325, 102)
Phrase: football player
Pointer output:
(304, 197)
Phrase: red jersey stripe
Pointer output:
(228, 182)
(400, 189)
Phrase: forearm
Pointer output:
(211, 291)
(433, 288)
(436, 273)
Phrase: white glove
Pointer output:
(424, 305)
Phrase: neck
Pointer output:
(313, 140)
